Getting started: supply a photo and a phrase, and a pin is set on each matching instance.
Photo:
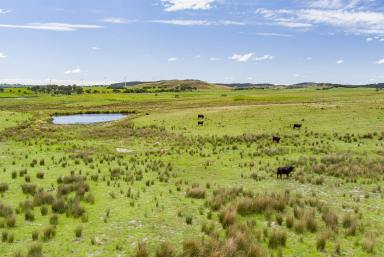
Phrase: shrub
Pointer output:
(277, 238)
(141, 250)
(165, 250)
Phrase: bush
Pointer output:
(165, 250)
(277, 238)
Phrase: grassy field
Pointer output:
(157, 184)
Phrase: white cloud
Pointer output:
(380, 61)
(116, 20)
(74, 71)
(51, 26)
(268, 34)
(350, 20)
(184, 22)
(199, 22)
(95, 48)
(2, 11)
(242, 57)
(340, 62)
(251, 56)
(214, 59)
(326, 4)
(178, 5)
(265, 57)
(173, 59)
(3, 56)
(369, 39)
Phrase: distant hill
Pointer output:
(249, 85)
(166, 85)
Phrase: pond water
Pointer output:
(87, 118)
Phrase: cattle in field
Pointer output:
(284, 171)
(200, 123)
(201, 116)
(297, 126)
(276, 139)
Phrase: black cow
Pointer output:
(200, 116)
(200, 123)
(297, 126)
(276, 139)
(284, 170)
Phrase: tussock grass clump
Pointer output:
(369, 243)
(3, 188)
(165, 250)
(10, 221)
(35, 250)
(330, 218)
(40, 175)
(78, 232)
(29, 189)
(196, 192)
(49, 233)
(321, 241)
(227, 216)
(277, 238)
(141, 250)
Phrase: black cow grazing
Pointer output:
(297, 126)
(200, 123)
(284, 170)
(276, 139)
(200, 116)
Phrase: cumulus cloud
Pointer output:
(340, 62)
(3, 56)
(380, 62)
(74, 71)
(51, 26)
(178, 5)
(173, 59)
(265, 57)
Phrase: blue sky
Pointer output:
(257, 41)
